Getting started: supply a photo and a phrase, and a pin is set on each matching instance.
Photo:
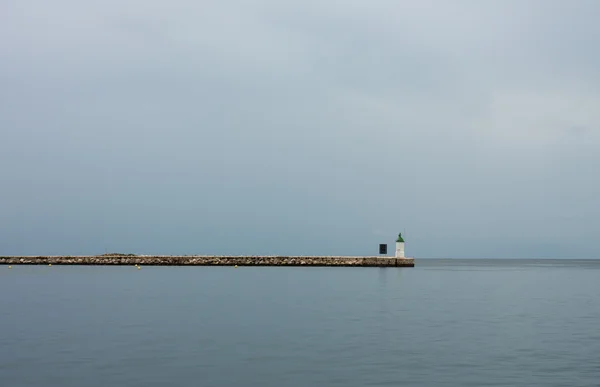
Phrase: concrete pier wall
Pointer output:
(195, 260)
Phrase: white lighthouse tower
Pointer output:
(400, 246)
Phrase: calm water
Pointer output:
(442, 323)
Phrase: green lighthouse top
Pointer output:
(400, 238)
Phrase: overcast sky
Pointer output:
(300, 127)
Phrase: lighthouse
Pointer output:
(400, 246)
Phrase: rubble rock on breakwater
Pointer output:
(197, 260)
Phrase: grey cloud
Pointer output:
(259, 127)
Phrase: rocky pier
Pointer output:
(197, 260)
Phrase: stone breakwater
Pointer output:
(194, 260)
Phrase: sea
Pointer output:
(445, 322)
